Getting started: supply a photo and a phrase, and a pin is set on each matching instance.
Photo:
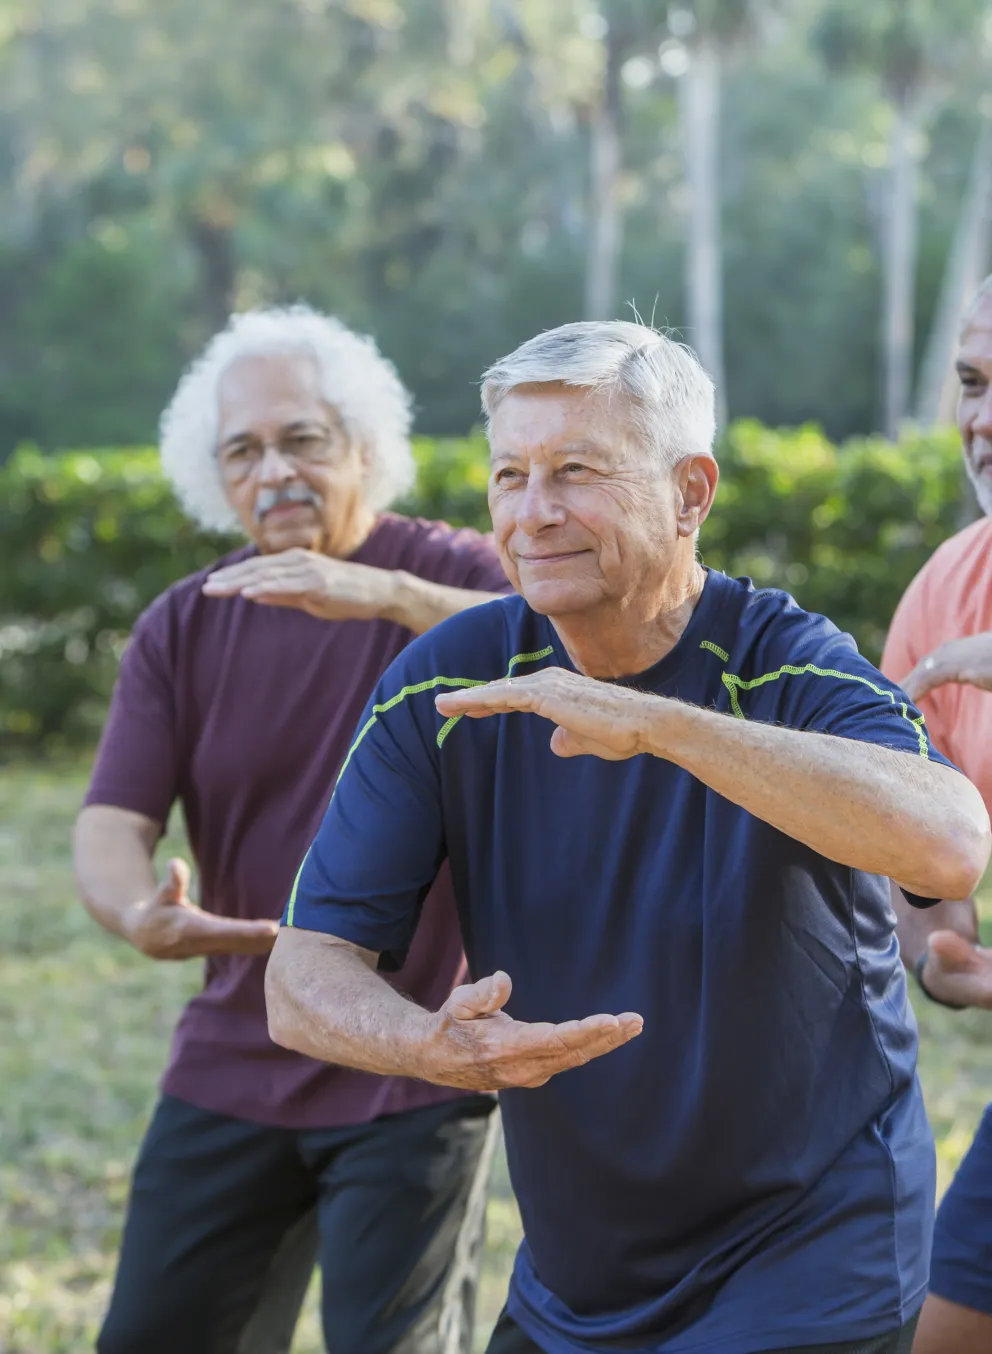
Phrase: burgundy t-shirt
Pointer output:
(244, 713)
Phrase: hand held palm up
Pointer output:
(477, 1045)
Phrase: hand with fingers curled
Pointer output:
(473, 1043)
(966, 660)
(170, 926)
(592, 717)
(955, 971)
(330, 589)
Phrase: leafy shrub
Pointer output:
(844, 529)
(87, 539)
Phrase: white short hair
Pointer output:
(984, 290)
(670, 395)
(355, 379)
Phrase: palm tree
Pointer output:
(624, 28)
(699, 110)
(711, 31)
(912, 46)
(968, 260)
(605, 162)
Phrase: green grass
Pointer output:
(84, 1027)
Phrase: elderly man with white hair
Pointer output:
(236, 698)
(668, 801)
(940, 647)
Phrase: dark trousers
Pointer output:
(508, 1338)
(219, 1241)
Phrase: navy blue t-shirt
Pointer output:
(756, 1169)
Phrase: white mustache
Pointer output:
(272, 498)
(981, 453)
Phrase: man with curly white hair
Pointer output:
(236, 698)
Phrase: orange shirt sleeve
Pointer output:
(917, 629)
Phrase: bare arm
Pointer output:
(941, 944)
(420, 605)
(325, 999)
(334, 589)
(967, 660)
(113, 855)
(113, 852)
(868, 807)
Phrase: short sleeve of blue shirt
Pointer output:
(381, 843)
(805, 673)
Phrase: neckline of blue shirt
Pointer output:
(703, 624)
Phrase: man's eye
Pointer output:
(573, 467)
(505, 475)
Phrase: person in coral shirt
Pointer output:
(939, 649)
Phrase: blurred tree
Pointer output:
(424, 169)
(913, 47)
(624, 29)
(968, 261)
(708, 31)
(605, 164)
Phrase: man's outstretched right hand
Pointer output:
(474, 1044)
(170, 926)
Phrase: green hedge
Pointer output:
(89, 538)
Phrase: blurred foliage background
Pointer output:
(87, 539)
(799, 186)
(802, 189)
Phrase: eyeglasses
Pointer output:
(313, 446)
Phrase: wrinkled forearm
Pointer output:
(419, 605)
(325, 999)
(868, 807)
(113, 853)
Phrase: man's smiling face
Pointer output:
(974, 367)
(584, 513)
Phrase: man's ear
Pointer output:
(365, 453)
(697, 478)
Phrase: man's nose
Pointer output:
(982, 422)
(539, 506)
(274, 467)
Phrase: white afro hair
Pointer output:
(356, 380)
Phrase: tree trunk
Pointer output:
(700, 117)
(605, 225)
(899, 242)
(967, 263)
(214, 248)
